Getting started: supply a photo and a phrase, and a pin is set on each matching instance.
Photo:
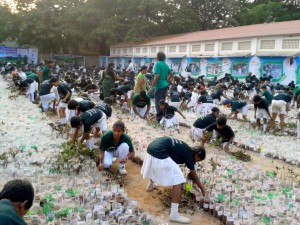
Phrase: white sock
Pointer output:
(61, 120)
(265, 127)
(121, 166)
(174, 209)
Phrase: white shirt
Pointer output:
(130, 67)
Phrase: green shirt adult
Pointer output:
(8, 214)
(137, 88)
(163, 70)
(268, 96)
(33, 76)
(108, 143)
(46, 73)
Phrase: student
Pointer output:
(45, 95)
(115, 143)
(204, 122)
(174, 97)
(237, 106)
(296, 98)
(261, 111)
(204, 103)
(280, 106)
(45, 73)
(65, 94)
(16, 198)
(216, 96)
(105, 107)
(224, 132)
(30, 88)
(161, 167)
(166, 115)
(123, 90)
(267, 94)
(141, 105)
(93, 118)
(80, 106)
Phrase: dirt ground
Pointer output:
(150, 201)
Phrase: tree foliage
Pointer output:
(60, 26)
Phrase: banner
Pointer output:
(18, 55)
(103, 61)
(282, 69)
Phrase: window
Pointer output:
(114, 51)
(130, 51)
(172, 49)
(145, 50)
(138, 50)
(182, 48)
(290, 44)
(118, 51)
(244, 45)
(226, 46)
(161, 49)
(209, 47)
(153, 50)
(196, 48)
(267, 44)
(125, 51)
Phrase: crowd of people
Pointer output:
(53, 88)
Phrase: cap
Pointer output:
(226, 102)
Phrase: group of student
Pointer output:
(179, 94)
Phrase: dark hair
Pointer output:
(119, 124)
(75, 121)
(215, 109)
(144, 67)
(50, 61)
(222, 121)
(143, 94)
(199, 151)
(162, 102)
(18, 191)
(264, 87)
(204, 92)
(110, 66)
(256, 98)
(108, 100)
(53, 80)
(113, 91)
(236, 94)
(161, 56)
(72, 104)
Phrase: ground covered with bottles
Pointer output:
(264, 190)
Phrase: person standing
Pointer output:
(161, 167)
(115, 143)
(16, 198)
(162, 73)
(109, 77)
(141, 81)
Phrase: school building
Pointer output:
(263, 49)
